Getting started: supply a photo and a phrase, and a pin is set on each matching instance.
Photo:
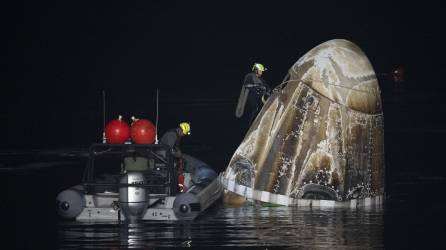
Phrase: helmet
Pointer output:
(259, 67)
(185, 128)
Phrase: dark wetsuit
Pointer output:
(257, 88)
(173, 139)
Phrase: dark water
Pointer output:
(247, 226)
(411, 218)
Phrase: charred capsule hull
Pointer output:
(319, 136)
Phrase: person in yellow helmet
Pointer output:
(185, 128)
(173, 136)
(255, 92)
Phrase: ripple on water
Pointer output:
(246, 226)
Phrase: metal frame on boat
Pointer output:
(130, 182)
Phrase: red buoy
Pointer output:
(142, 131)
(117, 131)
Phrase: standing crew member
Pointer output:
(172, 138)
(255, 92)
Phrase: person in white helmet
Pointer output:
(255, 92)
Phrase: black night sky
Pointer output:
(59, 56)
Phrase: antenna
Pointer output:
(103, 117)
(156, 121)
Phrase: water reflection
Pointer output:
(247, 226)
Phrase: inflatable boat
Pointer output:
(131, 182)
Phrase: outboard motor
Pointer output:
(133, 199)
(70, 202)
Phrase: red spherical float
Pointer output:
(117, 131)
(142, 131)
